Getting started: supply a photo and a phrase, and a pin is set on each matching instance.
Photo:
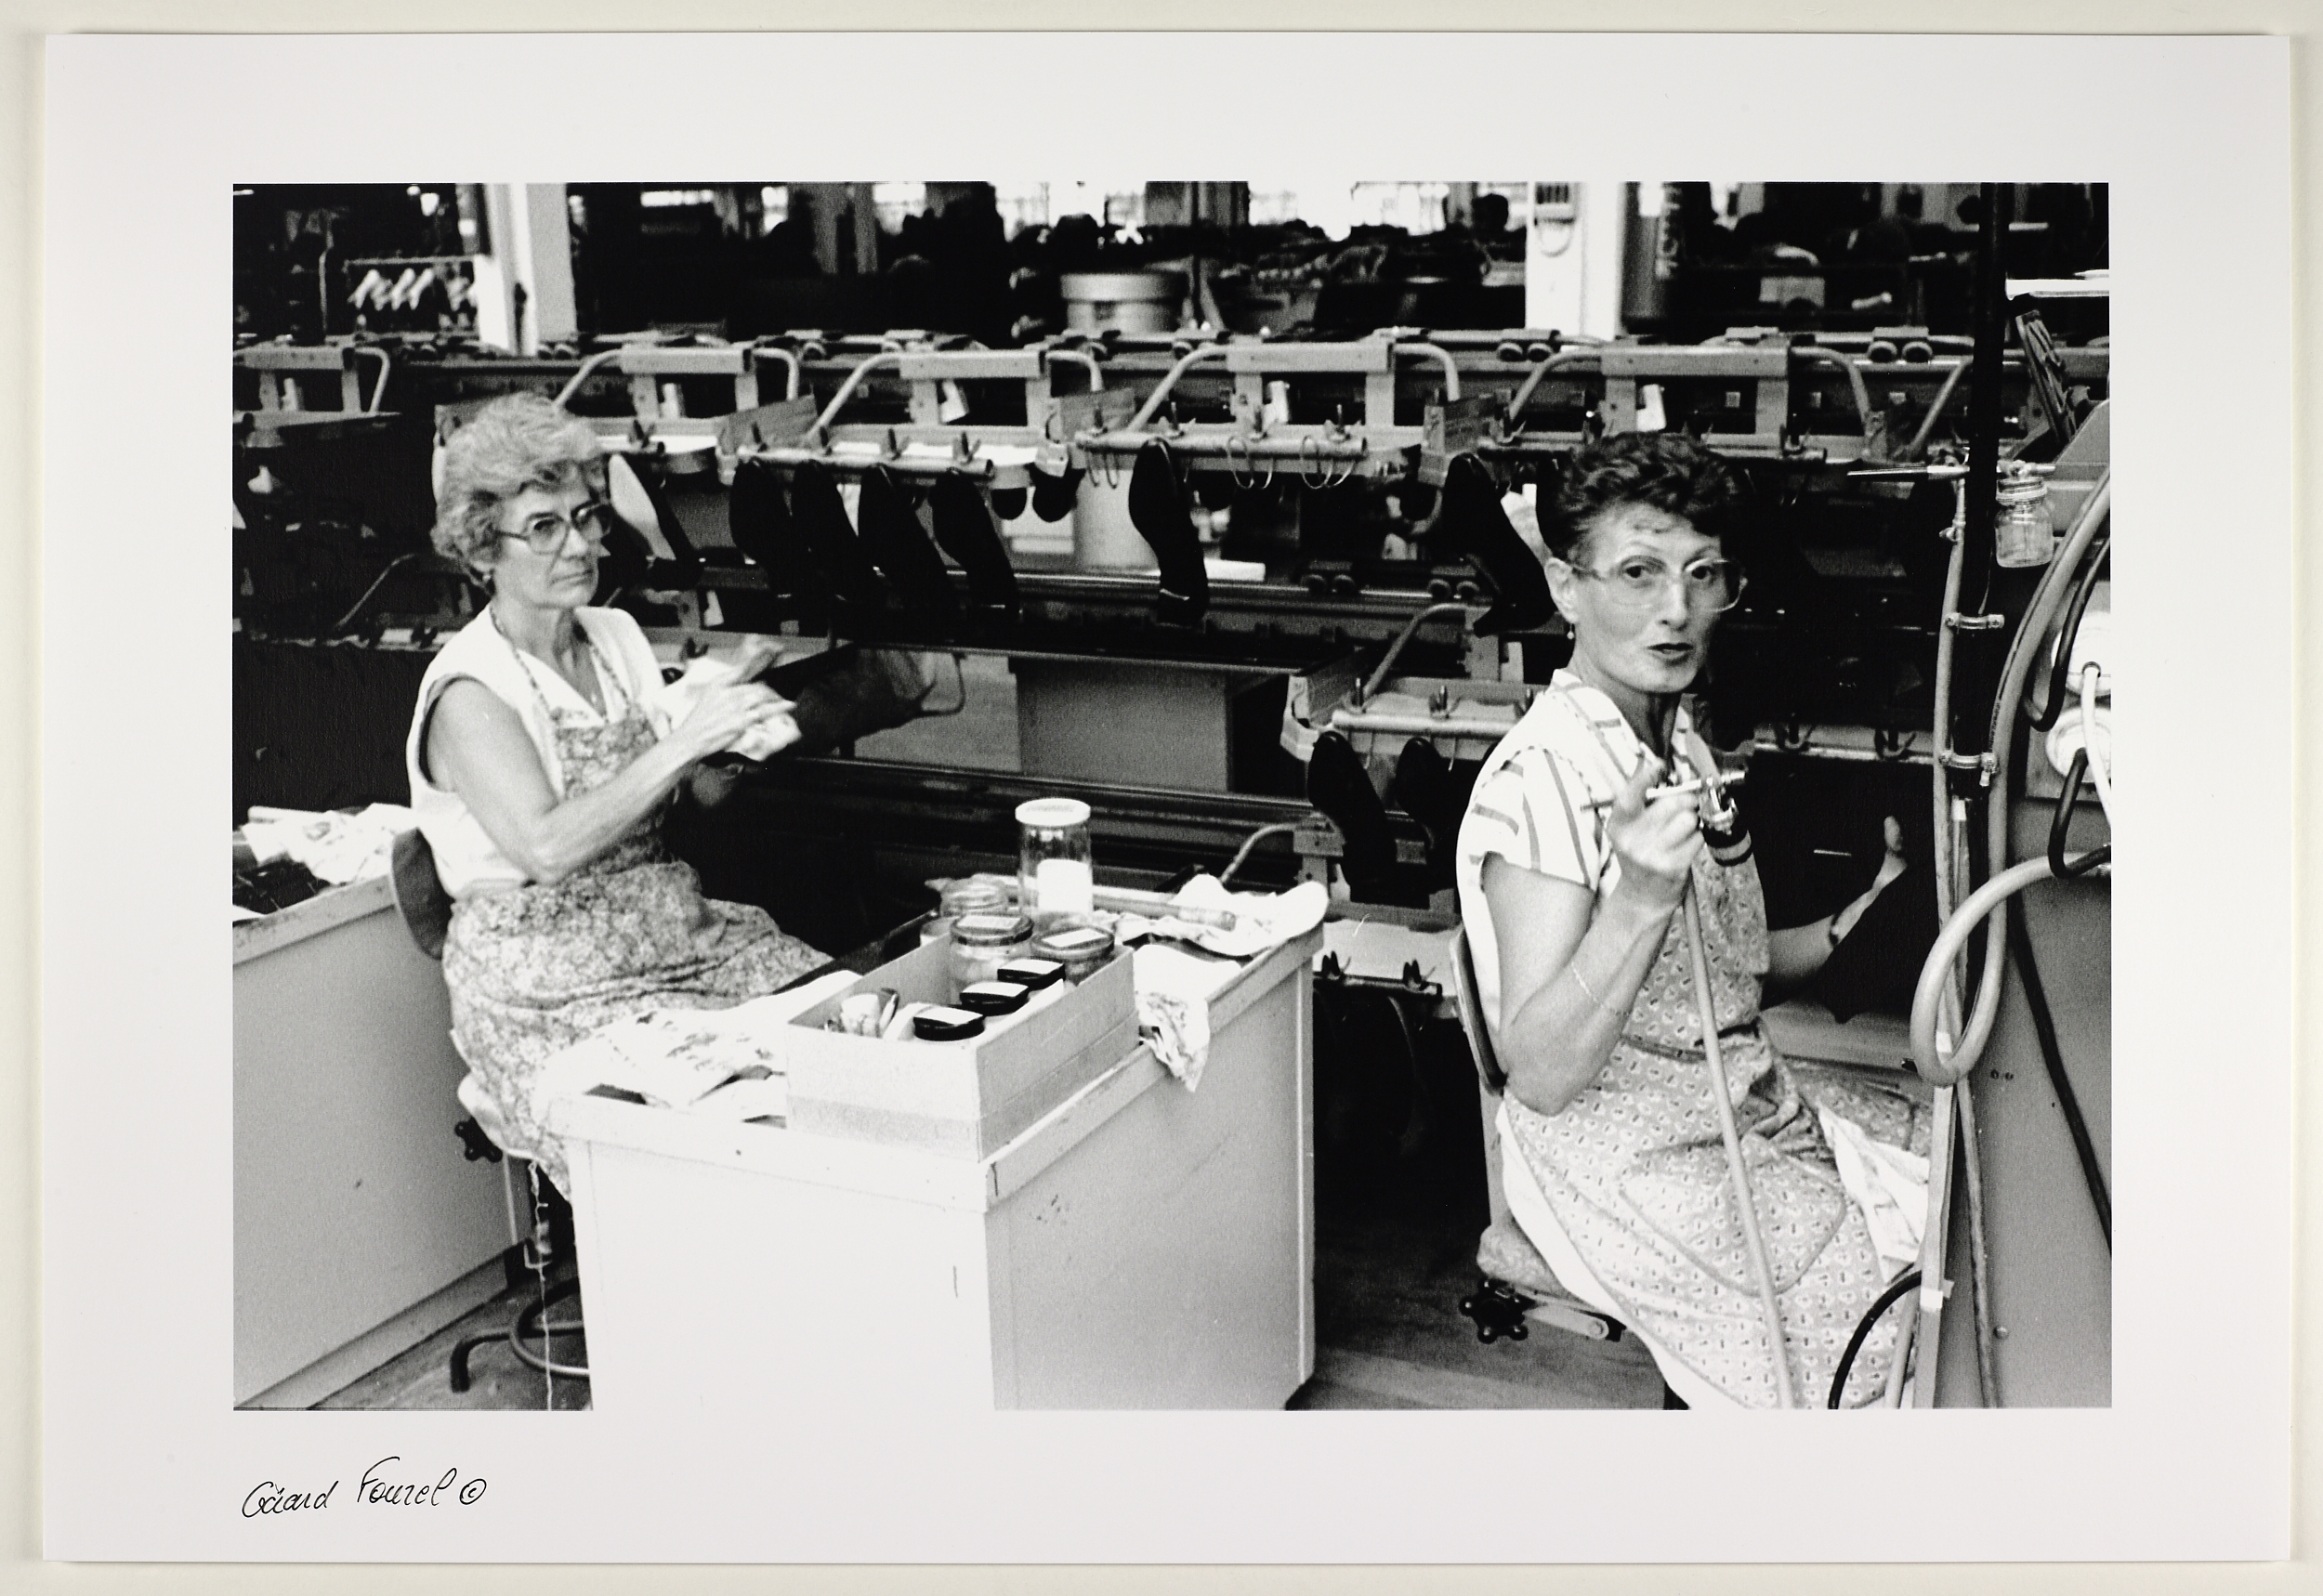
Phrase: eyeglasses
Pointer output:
(546, 534)
(1710, 585)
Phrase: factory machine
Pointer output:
(1264, 603)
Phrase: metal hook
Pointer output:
(1306, 439)
(1234, 472)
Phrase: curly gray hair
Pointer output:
(513, 443)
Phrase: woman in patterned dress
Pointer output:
(540, 762)
(1571, 882)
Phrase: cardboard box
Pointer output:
(965, 1099)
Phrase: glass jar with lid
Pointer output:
(967, 895)
(2023, 534)
(982, 942)
(1055, 881)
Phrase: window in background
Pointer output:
(893, 202)
(1021, 206)
(1415, 207)
(1273, 206)
(774, 207)
(1125, 207)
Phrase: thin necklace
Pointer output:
(582, 645)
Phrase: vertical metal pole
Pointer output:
(1972, 697)
(1752, 1242)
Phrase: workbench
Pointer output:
(360, 1227)
(1141, 1246)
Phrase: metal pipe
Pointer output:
(1451, 371)
(1936, 409)
(1990, 319)
(1169, 380)
(1230, 445)
(1747, 1210)
(1242, 855)
(854, 380)
(2046, 600)
(790, 362)
(1096, 368)
(1855, 382)
(379, 389)
(1979, 1259)
(1395, 650)
(1523, 395)
(1949, 1069)
(589, 368)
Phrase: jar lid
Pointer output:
(993, 997)
(989, 930)
(1032, 974)
(1052, 814)
(1075, 943)
(943, 1023)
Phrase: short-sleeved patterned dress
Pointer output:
(533, 969)
(1626, 1190)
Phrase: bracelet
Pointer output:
(1595, 1003)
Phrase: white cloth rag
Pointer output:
(768, 735)
(1174, 987)
(1889, 1185)
(337, 848)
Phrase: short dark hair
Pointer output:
(1672, 471)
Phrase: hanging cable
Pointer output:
(2052, 1055)
(1887, 1299)
(2060, 670)
(2091, 675)
(1242, 855)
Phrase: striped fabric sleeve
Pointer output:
(1524, 812)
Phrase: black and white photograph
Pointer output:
(1132, 793)
(934, 862)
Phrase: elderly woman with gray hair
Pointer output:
(542, 758)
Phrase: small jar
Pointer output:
(1055, 881)
(982, 942)
(1081, 950)
(968, 896)
(2022, 535)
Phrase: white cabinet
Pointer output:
(1140, 1246)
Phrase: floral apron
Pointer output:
(1634, 1170)
(534, 969)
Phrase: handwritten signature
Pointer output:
(379, 1487)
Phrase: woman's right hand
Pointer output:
(722, 714)
(1656, 840)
